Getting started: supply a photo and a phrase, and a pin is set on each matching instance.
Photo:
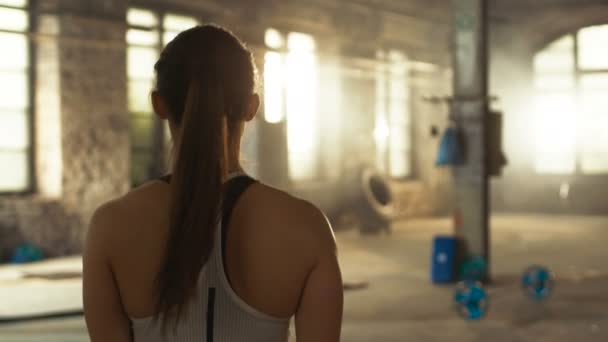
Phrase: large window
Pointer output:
(148, 32)
(571, 80)
(392, 131)
(290, 93)
(15, 98)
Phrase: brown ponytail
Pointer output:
(206, 76)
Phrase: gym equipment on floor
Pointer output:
(443, 262)
(471, 300)
(537, 282)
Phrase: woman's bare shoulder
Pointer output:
(298, 219)
(120, 220)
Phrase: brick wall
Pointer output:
(94, 119)
(80, 68)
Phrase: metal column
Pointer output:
(469, 108)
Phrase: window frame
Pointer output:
(158, 144)
(578, 72)
(32, 186)
(284, 51)
(383, 57)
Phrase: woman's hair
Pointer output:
(206, 77)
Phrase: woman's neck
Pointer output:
(232, 154)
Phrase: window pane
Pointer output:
(169, 36)
(557, 57)
(396, 58)
(593, 47)
(555, 133)
(141, 131)
(140, 17)
(595, 82)
(302, 107)
(398, 101)
(300, 42)
(381, 127)
(594, 158)
(141, 62)
(399, 115)
(14, 171)
(274, 39)
(566, 43)
(552, 62)
(142, 37)
(13, 3)
(139, 96)
(399, 139)
(14, 130)
(14, 51)
(399, 163)
(564, 127)
(172, 22)
(555, 120)
(13, 19)
(399, 155)
(554, 81)
(398, 86)
(273, 87)
(14, 92)
(593, 94)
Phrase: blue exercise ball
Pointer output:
(538, 282)
(471, 300)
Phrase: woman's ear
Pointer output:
(252, 107)
(159, 105)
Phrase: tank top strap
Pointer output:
(234, 188)
(235, 185)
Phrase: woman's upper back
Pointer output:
(273, 245)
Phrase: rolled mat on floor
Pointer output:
(41, 290)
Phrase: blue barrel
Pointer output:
(444, 259)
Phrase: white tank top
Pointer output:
(216, 313)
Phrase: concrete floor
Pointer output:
(401, 305)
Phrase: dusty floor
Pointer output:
(401, 305)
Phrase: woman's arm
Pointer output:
(104, 313)
(319, 315)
